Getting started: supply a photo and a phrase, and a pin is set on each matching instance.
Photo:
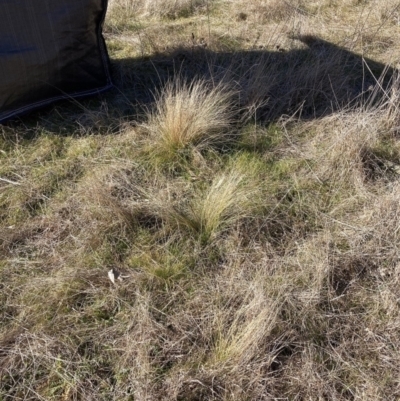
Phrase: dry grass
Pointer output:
(188, 114)
(251, 207)
(230, 197)
(123, 12)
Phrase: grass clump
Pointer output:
(217, 205)
(188, 115)
(229, 198)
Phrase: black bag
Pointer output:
(50, 50)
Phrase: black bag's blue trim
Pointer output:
(50, 92)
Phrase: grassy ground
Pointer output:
(243, 179)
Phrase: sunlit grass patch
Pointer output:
(164, 265)
(227, 199)
(126, 15)
(233, 194)
(252, 323)
(33, 175)
(254, 138)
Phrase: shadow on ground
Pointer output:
(311, 82)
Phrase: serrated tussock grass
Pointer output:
(189, 114)
(235, 193)
(230, 197)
